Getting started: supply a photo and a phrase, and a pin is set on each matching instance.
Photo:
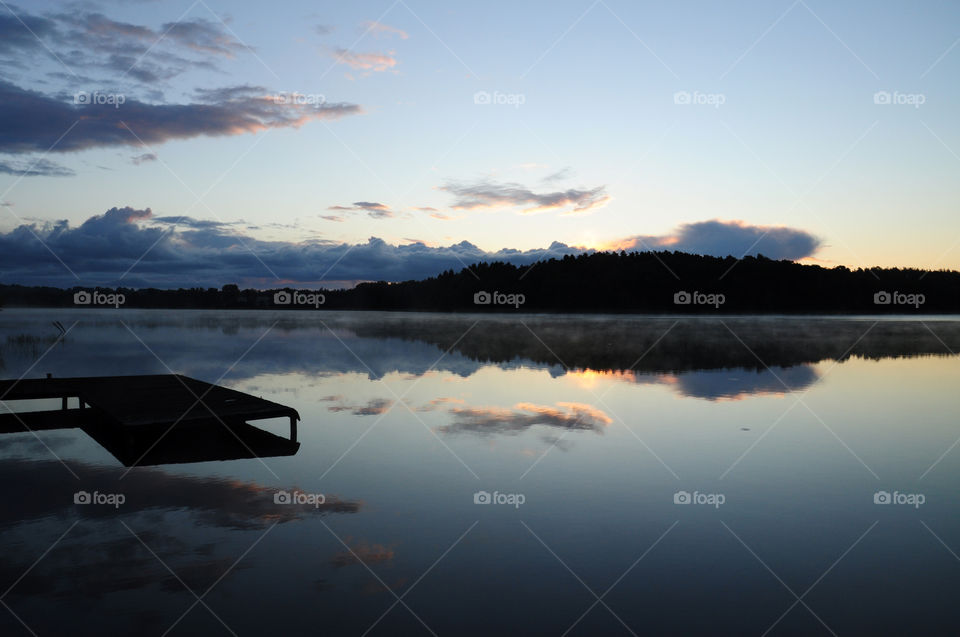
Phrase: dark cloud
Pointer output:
(190, 222)
(23, 33)
(370, 205)
(372, 208)
(487, 194)
(33, 122)
(93, 41)
(132, 61)
(172, 251)
(724, 238)
(719, 384)
(203, 36)
(38, 168)
(229, 93)
(145, 157)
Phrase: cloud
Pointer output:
(94, 42)
(373, 407)
(139, 159)
(210, 501)
(33, 122)
(202, 36)
(323, 29)
(370, 205)
(190, 222)
(172, 251)
(372, 208)
(560, 175)
(378, 28)
(438, 403)
(101, 559)
(489, 195)
(38, 168)
(725, 238)
(229, 93)
(497, 420)
(365, 61)
(25, 32)
(335, 218)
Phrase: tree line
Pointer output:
(648, 282)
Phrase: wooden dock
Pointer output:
(156, 419)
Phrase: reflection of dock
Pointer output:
(154, 419)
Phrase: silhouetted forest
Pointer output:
(654, 282)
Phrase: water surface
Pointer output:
(648, 475)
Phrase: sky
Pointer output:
(320, 143)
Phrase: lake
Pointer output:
(499, 474)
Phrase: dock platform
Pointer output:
(155, 419)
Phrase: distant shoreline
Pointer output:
(654, 283)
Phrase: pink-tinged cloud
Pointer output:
(499, 420)
(33, 122)
(365, 61)
(490, 195)
(378, 28)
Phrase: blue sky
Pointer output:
(810, 130)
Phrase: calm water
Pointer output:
(648, 476)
